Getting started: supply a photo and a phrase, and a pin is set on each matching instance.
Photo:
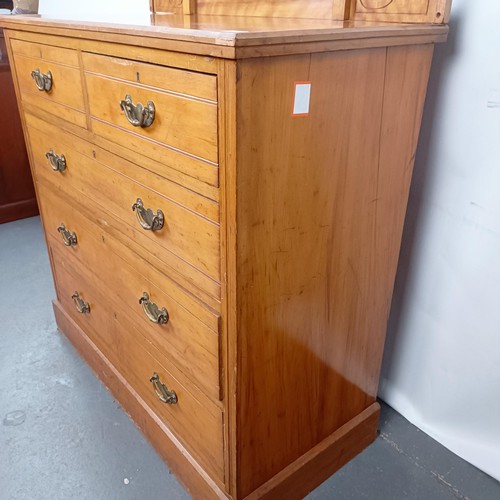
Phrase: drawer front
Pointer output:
(65, 97)
(194, 419)
(185, 234)
(183, 133)
(177, 81)
(190, 337)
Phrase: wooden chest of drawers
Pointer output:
(224, 264)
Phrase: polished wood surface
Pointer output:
(183, 83)
(180, 461)
(281, 238)
(303, 268)
(195, 420)
(193, 240)
(183, 124)
(47, 53)
(403, 11)
(300, 477)
(176, 166)
(17, 194)
(66, 95)
(419, 11)
(317, 254)
(190, 338)
(141, 246)
(307, 9)
(180, 98)
(230, 37)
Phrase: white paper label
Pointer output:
(302, 98)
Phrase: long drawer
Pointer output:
(194, 419)
(188, 241)
(179, 107)
(189, 338)
(57, 73)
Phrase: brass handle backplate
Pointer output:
(58, 163)
(147, 218)
(164, 394)
(137, 114)
(152, 311)
(43, 81)
(81, 306)
(68, 237)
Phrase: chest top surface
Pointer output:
(233, 37)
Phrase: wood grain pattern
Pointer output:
(65, 99)
(194, 419)
(169, 158)
(302, 476)
(199, 177)
(66, 87)
(218, 36)
(175, 191)
(180, 461)
(302, 252)
(152, 263)
(185, 83)
(229, 330)
(122, 241)
(132, 51)
(62, 112)
(314, 281)
(401, 11)
(308, 9)
(393, 6)
(169, 6)
(251, 51)
(113, 155)
(47, 53)
(189, 340)
(184, 234)
(432, 11)
(180, 168)
(186, 125)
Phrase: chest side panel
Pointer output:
(321, 198)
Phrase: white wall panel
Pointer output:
(110, 11)
(442, 362)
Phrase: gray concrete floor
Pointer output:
(62, 435)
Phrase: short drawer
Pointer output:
(189, 338)
(180, 106)
(194, 419)
(187, 234)
(50, 78)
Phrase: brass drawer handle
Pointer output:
(58, 163)
(68, 237)
(81, 306)
(137, 114)
(43, 81)
(163, 393)
(152, 311)
(147, 218)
